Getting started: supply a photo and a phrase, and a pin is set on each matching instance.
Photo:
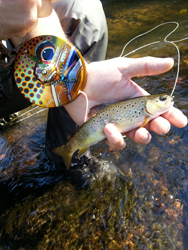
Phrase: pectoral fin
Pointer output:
(93, 111)
(145, 122)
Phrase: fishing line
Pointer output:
(23, 114)
(85, 119)
(28, 111)
(25, 118)
(165, 40)
(20, 120)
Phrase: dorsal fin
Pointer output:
(93, 111)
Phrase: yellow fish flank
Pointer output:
(125, 115)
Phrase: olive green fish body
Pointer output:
(125, 115)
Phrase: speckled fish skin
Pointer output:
(125, 115)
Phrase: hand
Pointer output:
(20, 17)
(110, 81)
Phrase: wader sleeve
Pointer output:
(84, 23)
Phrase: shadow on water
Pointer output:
(139, 200)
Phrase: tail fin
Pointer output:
(65, 154)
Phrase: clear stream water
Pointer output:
(140, 199)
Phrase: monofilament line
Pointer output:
(85, 119)
(165, 40)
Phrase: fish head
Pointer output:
(158, 104)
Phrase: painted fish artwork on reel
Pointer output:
(49, 71)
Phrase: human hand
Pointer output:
(20, 17)
(110, 81)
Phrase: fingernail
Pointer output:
(145, 138)
(166, 130)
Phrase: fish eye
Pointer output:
(45, 51)
(163, 98)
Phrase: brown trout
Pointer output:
(125, 115)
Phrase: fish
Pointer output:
(125, 115)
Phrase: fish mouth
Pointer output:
(170, 101)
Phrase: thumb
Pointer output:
(114, 137)
(44, 8)
(149, 66)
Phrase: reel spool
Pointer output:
(49, 71)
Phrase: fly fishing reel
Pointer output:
(49, 71)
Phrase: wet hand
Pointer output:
(110, 81)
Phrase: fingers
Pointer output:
(114, 137)
(159, 125)
(176, 117)
(140, 136)
(148, 66)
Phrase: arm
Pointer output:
(109, 77)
